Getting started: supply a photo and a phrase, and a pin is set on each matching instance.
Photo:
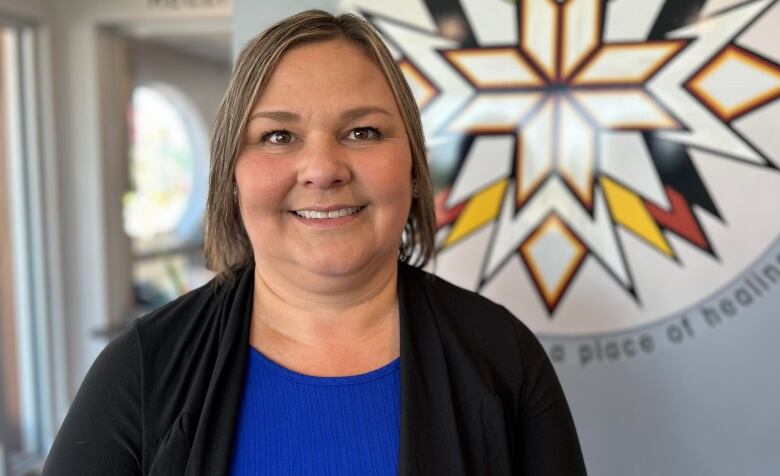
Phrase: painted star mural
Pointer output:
(564, 123)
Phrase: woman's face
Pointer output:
(324, 177)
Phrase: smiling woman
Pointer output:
(350, 152)
(321, 346)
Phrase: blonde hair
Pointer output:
(227, 245)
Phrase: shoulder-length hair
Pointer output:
(227, 244)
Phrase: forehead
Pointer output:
(337, 72)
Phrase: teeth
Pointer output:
(331, 214)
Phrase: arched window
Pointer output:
(164, 210)
(168, 168)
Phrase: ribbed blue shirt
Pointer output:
(295, 424)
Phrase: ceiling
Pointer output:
(208, 39)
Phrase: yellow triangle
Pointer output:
(629, 210)
(481, 209)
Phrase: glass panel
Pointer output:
(161, 169)
(163, 214)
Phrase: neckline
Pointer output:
(263, 360)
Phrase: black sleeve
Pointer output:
(101, 434)
(547, 443)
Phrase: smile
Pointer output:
(341, 212)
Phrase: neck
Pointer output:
(325, 312)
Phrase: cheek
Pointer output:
(394, 173)
(262, 187)
(391, 183)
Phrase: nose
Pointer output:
(323, 165)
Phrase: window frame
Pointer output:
(36, 281)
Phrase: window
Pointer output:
(164, 211)
(26, 394)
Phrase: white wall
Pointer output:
(201, 80)
(256, 16)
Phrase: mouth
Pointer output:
(329, 214)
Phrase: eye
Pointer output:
(277, 137)
(364, 133)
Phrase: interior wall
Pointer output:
(34, 9)
(202, 80)
(115, 83)
(260, 17)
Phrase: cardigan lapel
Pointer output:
(212, 445)
(429, 440)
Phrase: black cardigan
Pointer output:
(478, 393)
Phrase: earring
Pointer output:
(415, 188)
(235, 194)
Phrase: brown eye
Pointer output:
(364, 133)
(278, 137)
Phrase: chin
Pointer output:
(334, 266)
(338, 264)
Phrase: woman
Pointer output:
(321, 346)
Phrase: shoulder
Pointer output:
(183, 312)
(468, 309)
(101, 432)
(495, 368)
(438, 288)
(137, 385)
(178, 344)
(165, 325)
(191, 317)
(480, 329)
(161, 336)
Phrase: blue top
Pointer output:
(295, 424)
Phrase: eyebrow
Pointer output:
(348, 115)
